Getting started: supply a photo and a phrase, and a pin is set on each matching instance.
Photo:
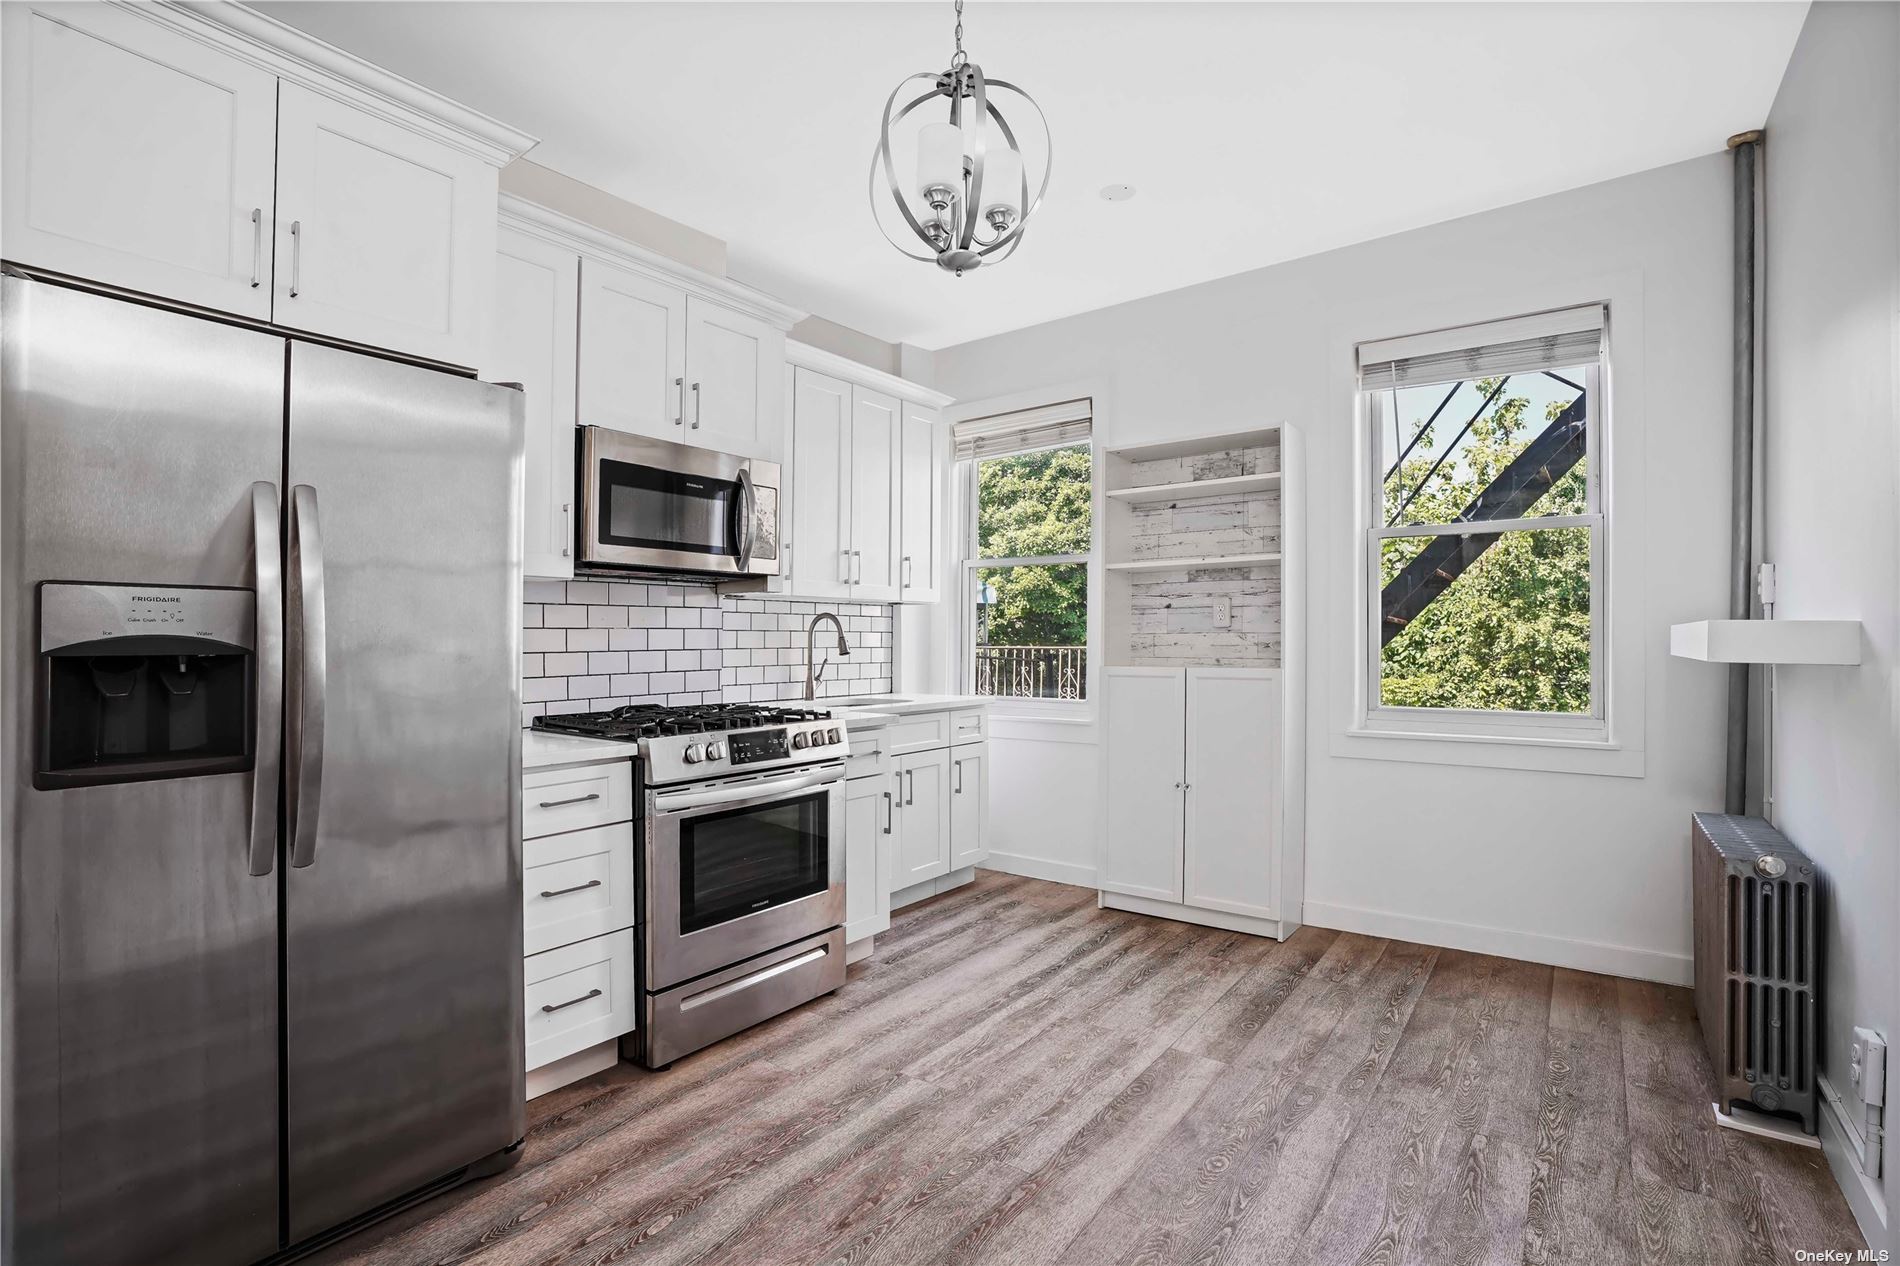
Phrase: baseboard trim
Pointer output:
(1863, 1194)
(1041, 868)
(571, 1068)
(1277, 929)
(1531, 947)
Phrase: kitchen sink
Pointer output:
(861, 701)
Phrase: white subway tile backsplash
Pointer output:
(589, 645)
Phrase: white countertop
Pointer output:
(872, 716)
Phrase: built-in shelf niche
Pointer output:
(1194, 551)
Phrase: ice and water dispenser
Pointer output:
(143, 681)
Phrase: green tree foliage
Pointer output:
(1513, 631)
(1027, 505)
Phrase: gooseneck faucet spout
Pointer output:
(811, 631)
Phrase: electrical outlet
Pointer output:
(1867, 1067)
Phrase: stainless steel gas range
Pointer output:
(741, 864)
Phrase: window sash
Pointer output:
(1484, 722)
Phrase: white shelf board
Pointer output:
(1183, 564)
(1164, 449)
(1187, 488)
(1767, 641)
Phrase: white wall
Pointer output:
(1832, 295)
(1586, 869)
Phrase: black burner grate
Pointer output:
(651, 720)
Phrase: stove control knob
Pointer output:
(832, 735)
(799, 741)
(715, 750)
(691, 754)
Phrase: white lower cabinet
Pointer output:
(579, 996)
(1195, 804)
(576, 885)
(921, 826)
(868, 811)
(969, 806)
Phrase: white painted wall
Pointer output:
(1586, 869)
(1832, 323)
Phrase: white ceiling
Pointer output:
(1253, 133)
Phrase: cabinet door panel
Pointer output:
(633, 353)
(874, 476)
(1146, 721)
(1233, 751)
(867, 902)
(969, 806)
(137, 157)
(384, 236)
(921, 798)
(534, 342)
(732, 364)
(821, 471)
(921, 507)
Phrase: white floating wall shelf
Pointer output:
(1767, 641)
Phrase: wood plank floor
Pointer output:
(1020, 1077)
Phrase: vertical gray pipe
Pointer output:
(1747, 149)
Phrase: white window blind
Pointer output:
(1548, 340)
(1046, 426)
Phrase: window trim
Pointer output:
(970, 561)
(1376, 719)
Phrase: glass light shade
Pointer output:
(1003, 181)
(939, 157)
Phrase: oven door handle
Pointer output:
(750, 794)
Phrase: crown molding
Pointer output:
(324, 68)
(565, 231)
(805, 356)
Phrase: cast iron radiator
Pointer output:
(1757, 966)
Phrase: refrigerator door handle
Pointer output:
(305, 683)
(268, 763)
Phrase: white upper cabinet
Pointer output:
(734, 381)
(921, 506)
(533, 342)
(136, 156)
(198, 154)
(821, 510)
(873, 492)
(633, 353)
(385, 237)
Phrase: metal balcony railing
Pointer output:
(1032, 672)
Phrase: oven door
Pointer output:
(739, 867)
(654, 504)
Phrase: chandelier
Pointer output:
(970, 170)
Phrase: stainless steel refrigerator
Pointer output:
(261, 871)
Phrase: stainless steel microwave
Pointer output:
(652, 505)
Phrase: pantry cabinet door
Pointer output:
(820, 475)
(733, 363)
(920, 506)
(385, 236)
(136, 157)
(873, 487)
(534, 341)
(969, 805)
(1233, 794)
(633, 353)
(1141, 854)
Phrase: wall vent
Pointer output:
(1757, 971)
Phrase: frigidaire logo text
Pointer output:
(139, 597)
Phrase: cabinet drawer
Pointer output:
(969, 726)
(576, 885)
(555, 800)
(917, 733)
(578, 996)
(870, 755)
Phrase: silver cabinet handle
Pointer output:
(857, 567)
(695, 406)
(555, 804)
(907, 571)
(958, 766)
(257, 245)
(306, 678)
(270, 677)
(562, 892)
(296, 257)
(558, 1006)
(910, 785)
(890, 812)
(1179, 786)
(845, 559)
(679, 412)
(567, 527)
